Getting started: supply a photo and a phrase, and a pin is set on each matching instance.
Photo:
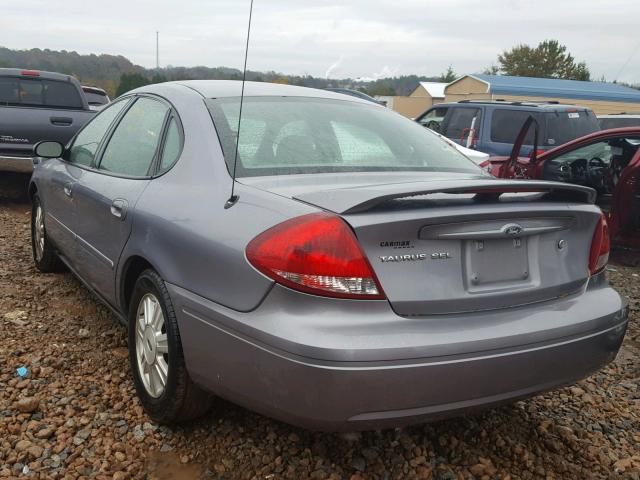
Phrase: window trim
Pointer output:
(155, 165)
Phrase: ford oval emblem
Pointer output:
(512, 230)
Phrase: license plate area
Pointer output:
(496, 263)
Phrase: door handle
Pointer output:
(68, 190)
(119, 208)
(61, 121)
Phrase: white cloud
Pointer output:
(407, 36)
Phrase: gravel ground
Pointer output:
(76, 415)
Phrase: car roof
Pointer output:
(233, 88)
(517, 105)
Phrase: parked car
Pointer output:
(96, 97)
(607, 161)
(492, 126)
(619, 120)
(357, 94)
(477, 157)
(35, 106)
(363, 274)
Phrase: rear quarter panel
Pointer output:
(182, 229)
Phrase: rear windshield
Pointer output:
(607, 123)
(563, 126)
(94, 98)
(287, 135)
(39, 93)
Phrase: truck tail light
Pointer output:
(316, 253)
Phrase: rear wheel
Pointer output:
(164, 387)
(44, 255)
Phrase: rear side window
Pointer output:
(134, 142)
(506, 124)
(172, 146)
(568, 125)
(86, 144)
(459, 121)
(39, 93)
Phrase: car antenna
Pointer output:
(234, 198)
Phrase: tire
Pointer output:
(44, 255)
(177, 399)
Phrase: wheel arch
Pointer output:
(131, 270)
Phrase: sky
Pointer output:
(339, 39)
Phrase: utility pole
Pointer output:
(158, 52)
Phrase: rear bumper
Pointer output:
(325, 394)
(16, 164)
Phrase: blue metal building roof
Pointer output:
(554, 88)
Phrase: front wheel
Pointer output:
(44, 255)
(164, 387)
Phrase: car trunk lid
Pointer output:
(465, 243)
(469, 244)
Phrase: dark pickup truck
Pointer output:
(37, 106)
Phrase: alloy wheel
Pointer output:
(38, 232)
(152, 350)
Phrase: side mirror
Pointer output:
(48, 149)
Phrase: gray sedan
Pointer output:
(364, 274)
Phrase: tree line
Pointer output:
(117, 74)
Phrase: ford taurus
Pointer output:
(363, 274)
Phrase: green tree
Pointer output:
(448, 76)
(129, 81)
(548, 60)
(158, 78)
(382, 89)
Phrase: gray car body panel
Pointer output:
(333, 363)
(368, 368)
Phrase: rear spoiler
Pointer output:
(361, 199)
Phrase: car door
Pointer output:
(106, 196)
(58, 180)
(624, 214)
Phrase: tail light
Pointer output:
(30, 73)
(600, 246)
(316, 253)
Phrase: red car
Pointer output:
(608, 161)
